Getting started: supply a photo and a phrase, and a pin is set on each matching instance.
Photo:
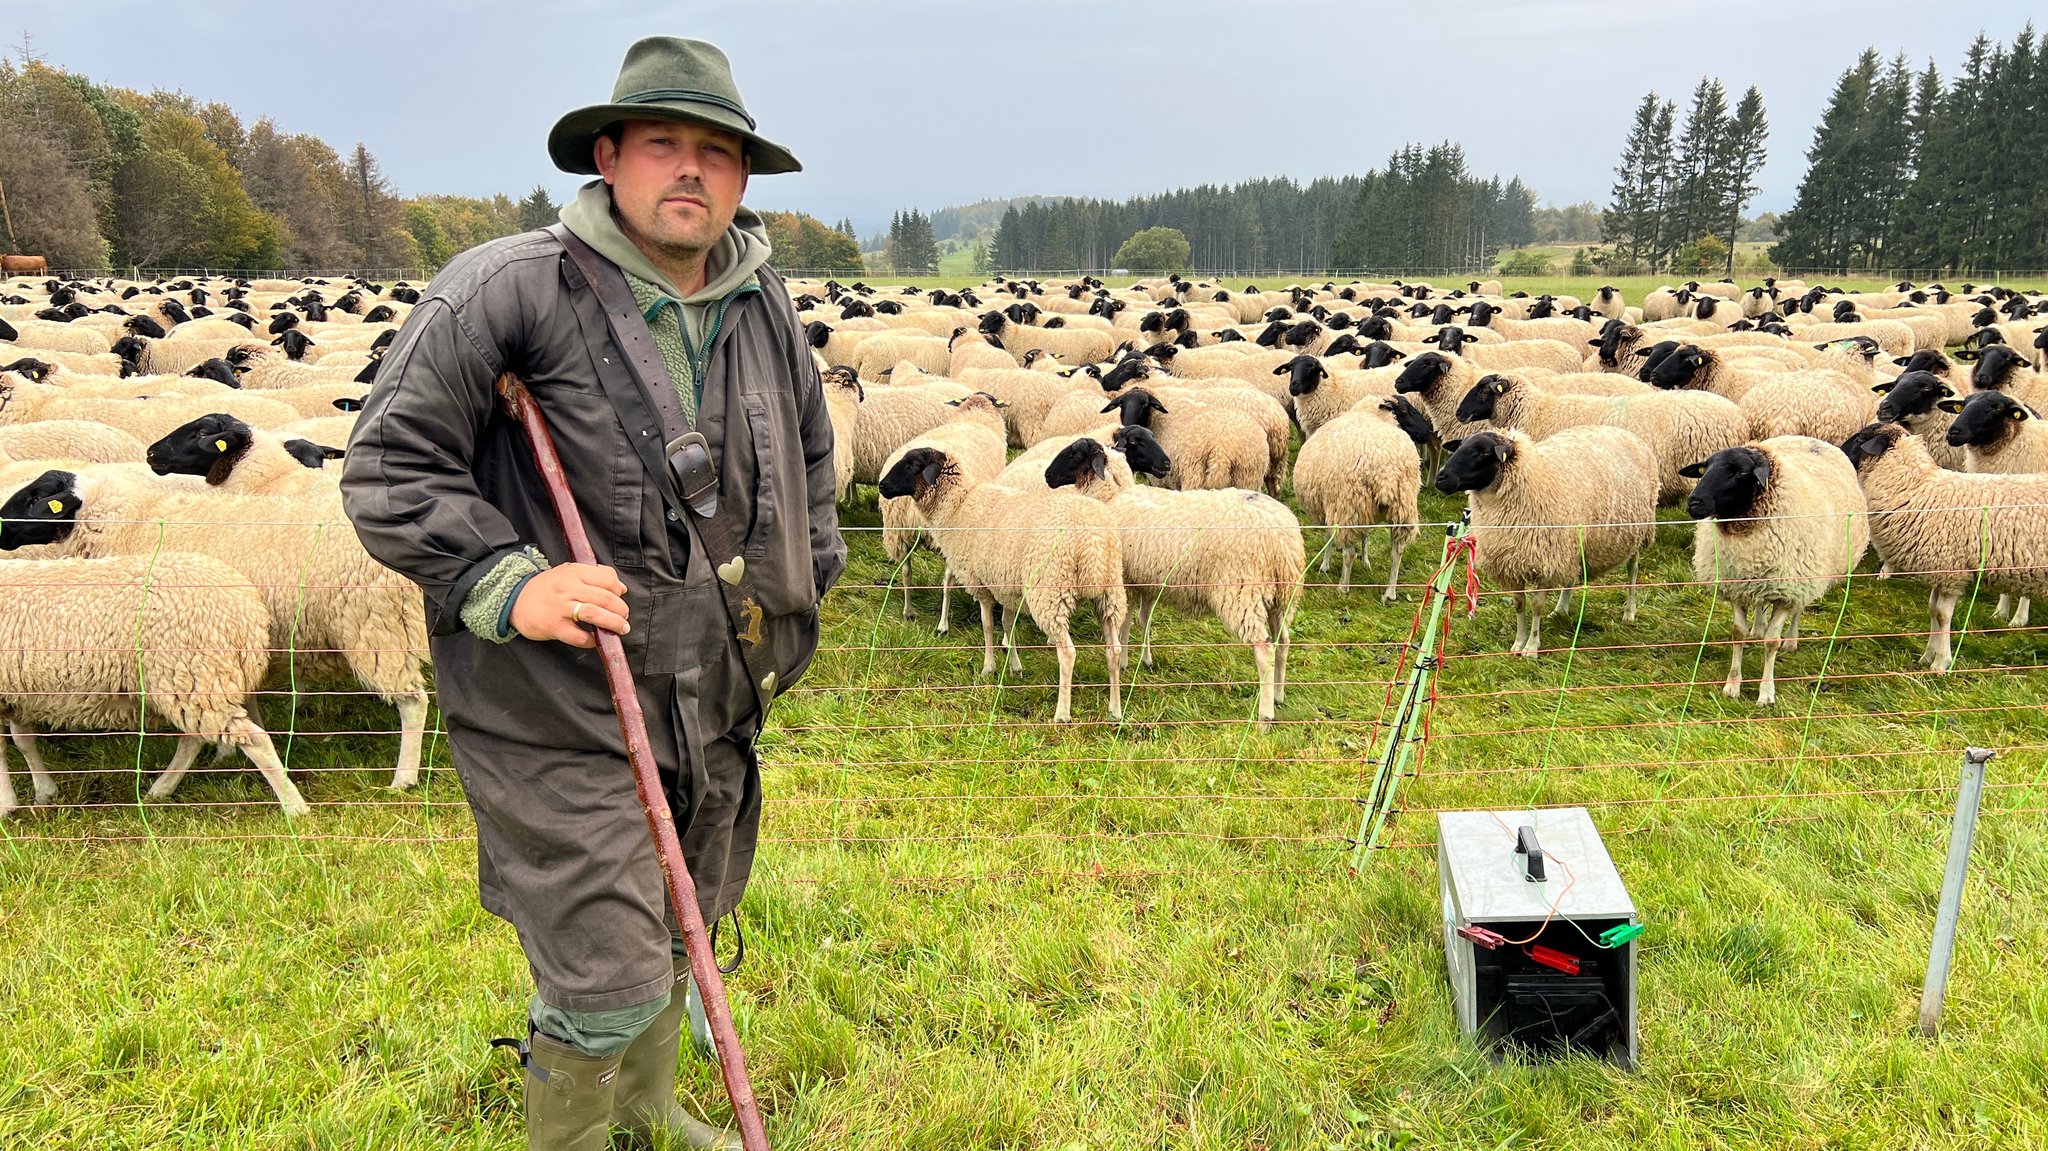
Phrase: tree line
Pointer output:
(1678, 195)
(1424, 210)
(1908, 173)
(96, 177)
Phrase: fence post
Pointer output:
(1960, 836)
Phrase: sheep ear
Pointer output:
(1110, 407)
(1451, 447)
(1952, 407)
(1694, 471)
(1500, 453)
(1160, 408)
(1282, 370)
(952, 403)
(2018, 414)
(1763, 471)
(931, 473)
(1433, 336)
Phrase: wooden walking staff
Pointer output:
(682, 891)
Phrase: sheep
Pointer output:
(1679, 427)
(929, 354)
(147, 420)
(1083, 410)
(1573, 333)
(361, 613)
(1038, 551)
(1211, 447)
(1895, 338)
(1359, 469)
(2002, 369)
(1551, 355)
(1609, 302)
(1780, 521)
(333, 431)
(1997, 435)
(1821, 402)
(891, 416)
(835, 344)
(1320, 397)
(974, 438)
(97, 643)
(1662, 304)
(1026, 393)
(235, 457)
(1484, 287)
(1953, 531)
(843, 395)
(43, 335)
(970, 350)
(264, 368)
(80, 440)
(1551, 514)
(1911, 400)
(1234, 555)
(1071, 345)
(321, 399)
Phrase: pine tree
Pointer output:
(1631, 221)
(1818, 227)
(1741, 159)
(1697, 188)
(537, 210)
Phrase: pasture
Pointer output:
(972, 930)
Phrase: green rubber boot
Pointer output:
(646, 1099)
(569, 1095)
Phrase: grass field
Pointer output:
(971, 930)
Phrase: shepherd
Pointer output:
(689, 417)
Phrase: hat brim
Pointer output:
(573, 137)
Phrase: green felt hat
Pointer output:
(666, 78)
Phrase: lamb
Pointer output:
(974, 437)
(363, 614)
(235, 457)
(1038, 551)
(96, 643)
(1912, 400)
(1211, 447)
(1953, 531)
(1679, 427)
(1551, 514)
(1071, 345)
(1361, 468)
(1234, 555)
(1780, 521)
(1997, 435)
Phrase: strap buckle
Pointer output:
(689, 460)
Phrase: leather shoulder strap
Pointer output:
(713, 535)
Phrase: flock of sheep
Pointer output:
(163, 488)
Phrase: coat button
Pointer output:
(672, 516)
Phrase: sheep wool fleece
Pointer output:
(441, 487)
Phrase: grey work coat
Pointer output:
(440, 486)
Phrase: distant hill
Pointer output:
(971, 221)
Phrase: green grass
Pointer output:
(970, 930)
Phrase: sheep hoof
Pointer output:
(942, 629)
(406, 784)
(8, 810)
(1391, 597)
(1766, 697)
(157, 790)
(1732, 689)
(1527, 652)
(297, 808)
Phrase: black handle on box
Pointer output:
(1525, 844)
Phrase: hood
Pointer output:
(733, 261)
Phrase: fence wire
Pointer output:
(893, 759)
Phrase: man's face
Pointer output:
(676, 185)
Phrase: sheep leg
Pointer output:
(1114, 619)
(1738, 630)
(909, 582)
(1262, 654)
(8, 803)
(1010, 640)
(1063, 646)
(988, 635)
(1564, 601)
(1521, 600)
(946, 600)
(1791, 643)
(1281, 627)
(2004, 608)
(1628, 609)
(2022, 610)
(412, 727)
(24, 737)
(1941, 612)
(182, 759)
(1767, 688)
(1395, 548)
(1344, 576)
(256, 745)
(1145, 607)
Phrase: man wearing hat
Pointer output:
(672, 371)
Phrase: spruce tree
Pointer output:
(1741, 159)
(1697, 188)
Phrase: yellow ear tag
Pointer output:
(220, 445)
(57, 507)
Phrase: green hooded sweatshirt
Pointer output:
(684, 327)
(684, 330)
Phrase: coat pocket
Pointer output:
(686, 627)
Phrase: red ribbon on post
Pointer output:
(682, 891)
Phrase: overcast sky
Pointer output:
(896, 104)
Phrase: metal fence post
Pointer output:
(1960, 836)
